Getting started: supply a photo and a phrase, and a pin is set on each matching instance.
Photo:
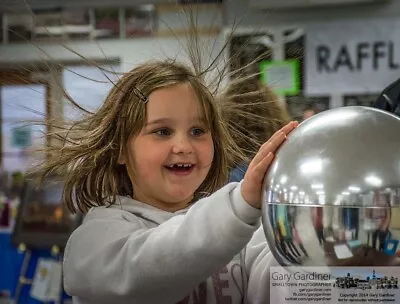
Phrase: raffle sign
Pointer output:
(352, 57)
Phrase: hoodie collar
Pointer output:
(145, 211)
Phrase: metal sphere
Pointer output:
(332, 194)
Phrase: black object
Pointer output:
(389, 99)
(43, 220)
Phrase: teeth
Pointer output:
(180, 166)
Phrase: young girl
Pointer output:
(147, 171)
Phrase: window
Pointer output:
(88, 86)
(20, 105)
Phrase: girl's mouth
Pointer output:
(180, 169)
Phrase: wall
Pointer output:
(128, 52)
(301, 17)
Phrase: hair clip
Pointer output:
(139, 94)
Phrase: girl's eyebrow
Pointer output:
(158, 121)
(168, 120)
(200, 120)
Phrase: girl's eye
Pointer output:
(163, 132)
(197, 131)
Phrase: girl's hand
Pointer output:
(251, 187)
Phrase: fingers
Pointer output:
(252, 183)
(285, 130)
(255, 174)
(289, 127)
(262, 167)
(270, 146)
(275, 141)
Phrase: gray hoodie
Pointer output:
(135, 253)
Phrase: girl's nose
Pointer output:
(182, 144)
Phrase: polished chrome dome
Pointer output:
(332, 195)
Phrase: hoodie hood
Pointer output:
(142, 210)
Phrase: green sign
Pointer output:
(21, 137)
(281, 76)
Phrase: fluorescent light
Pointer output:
(283, 179)
(373, 180)
(311, 167)
(317, 186)
(354, 189)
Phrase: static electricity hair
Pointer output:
(240, 117)
(253, 113)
